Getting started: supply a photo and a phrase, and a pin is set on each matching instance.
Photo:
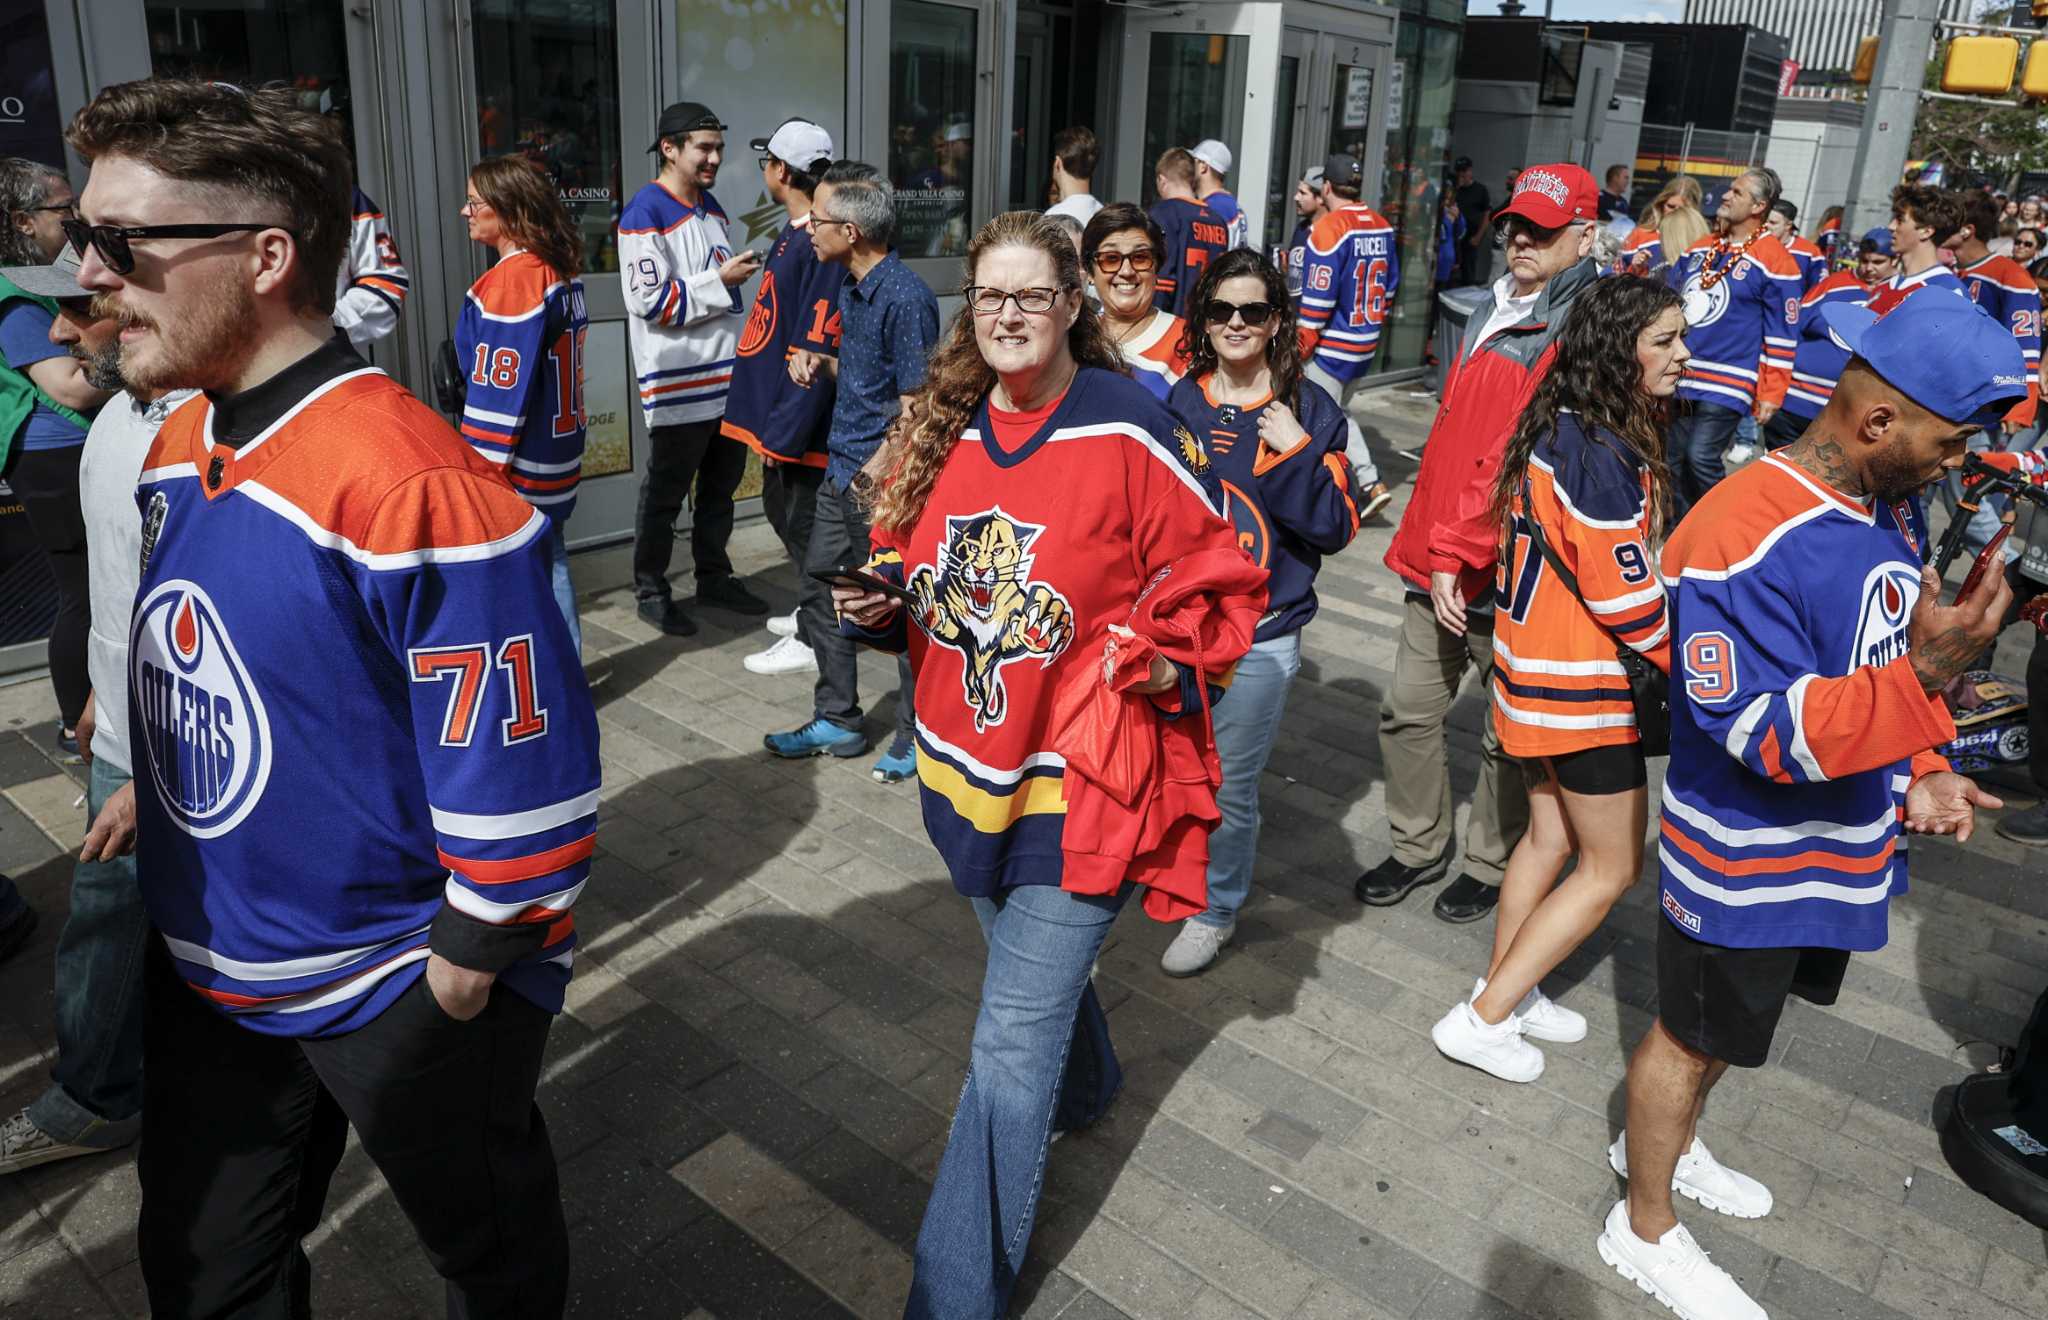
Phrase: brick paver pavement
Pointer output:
(773, 1000)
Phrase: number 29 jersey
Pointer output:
(360, 729)
(1347, 278)
(520, 337)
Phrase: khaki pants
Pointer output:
(1427, 670)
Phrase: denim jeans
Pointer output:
(1041, 1063)
(1700, 435)
(1983, 523)
(565, 591)
(95, 1095)
(1246, 721)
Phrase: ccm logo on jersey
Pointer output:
(1889, 594)
(205, 733)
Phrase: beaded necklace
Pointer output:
(1712, 270)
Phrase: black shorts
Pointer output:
(1596, 771)
(1726, 1002)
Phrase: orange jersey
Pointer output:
(1558, 685)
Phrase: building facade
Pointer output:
(1821, 35)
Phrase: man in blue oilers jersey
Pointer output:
(365, 756)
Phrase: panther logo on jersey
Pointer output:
(206, 735)
(1704, 306)
(981, 602)
(1889, 594)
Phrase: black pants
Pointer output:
(789, 496)
(47, 482)
(241, 1134)
(839, 536)
(678, 455)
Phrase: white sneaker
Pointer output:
(1675, 1271)
(1706, 1180)
(23, 1145)
(1377, 497)
(1195, 947)
(783, 625)
(787, 656)
(1543, 1018)
(1737, 455)
(1463, 1035)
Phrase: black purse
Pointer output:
(1649, 687)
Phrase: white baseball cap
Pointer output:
(798, 142)
(1213, 154)
(960, 130)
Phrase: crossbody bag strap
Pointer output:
(1564, 575)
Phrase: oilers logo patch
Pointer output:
(206, 736)
(1889, 594)
(1704, 306)
(980, 601)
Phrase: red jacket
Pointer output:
(1449, 526)
(1141, 788)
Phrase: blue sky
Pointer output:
(1669, 11)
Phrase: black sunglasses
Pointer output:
(111, 241)
(1219, 312)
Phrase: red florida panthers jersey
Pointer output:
(796, 307)
(1902, 286)
(2003, 288)
(1741, 311)
(521, 336)
(1195, 236)
(359, 721)
(1023, 558)
(1347, 281)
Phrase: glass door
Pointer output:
(1292, 156)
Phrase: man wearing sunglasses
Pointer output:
(1445, 550)
(365, 752)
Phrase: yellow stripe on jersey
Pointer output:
(989, 813)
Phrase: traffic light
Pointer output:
(1980, 66)
(1866, 58)
(2041, 11)
(2034, 82)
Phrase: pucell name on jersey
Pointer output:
(205, 732)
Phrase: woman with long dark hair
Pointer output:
(520, 338)
(1040, 495)
(1276, 444)
(1584, 476)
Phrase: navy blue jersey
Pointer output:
(1290, 509)
(1195, 236)
(520, 335)
(796, 307)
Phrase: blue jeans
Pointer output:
(1246, 721)
(95, 1095)
(1983, 523)
(565, 594)
(1041, 1063)
(1699, 437)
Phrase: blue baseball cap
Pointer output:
(1877, 240)
(1940, 350)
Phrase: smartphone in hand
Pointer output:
(1987, 560)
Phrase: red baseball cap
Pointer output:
(1553, 195)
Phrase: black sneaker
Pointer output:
(16, 932)
(1465, 899)
(2028, 827)
(669, 617)
(1390, 881)
(729, 593)
(67, 740)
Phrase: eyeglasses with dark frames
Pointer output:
(1219, 312)
(989, 300)
(111, 241)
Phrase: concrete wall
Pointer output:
(1814, 157)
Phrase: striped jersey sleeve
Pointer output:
(1348, 279)
(1641, 252)
(374, 281)
(2002, 287)
(520, 336)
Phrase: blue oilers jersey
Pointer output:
(1797, 723)
(520, 334)
(1347, 284)
(1195, 236)
(1235, 222)
(2003, 288)
(1289, 508)
(361, 730)
(1818, 362)
(796, 307)
(1741, 313)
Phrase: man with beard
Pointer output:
(366, 752)
(1810, 648)
(94, 1101)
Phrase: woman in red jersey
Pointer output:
(1041, 495)
(1584, 470)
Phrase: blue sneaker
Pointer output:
(899, 764)
(817, 738)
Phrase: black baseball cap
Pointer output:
(683, 117)
(1462, 163)
(1341, 170)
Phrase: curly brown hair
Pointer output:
(1283, 350)
(958, 378)
(1595, 374)
(530, 208)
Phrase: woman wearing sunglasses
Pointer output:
(1276, 443)
(1039, 494)
(1120, 253)
(1584, 469)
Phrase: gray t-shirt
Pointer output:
(107, 472)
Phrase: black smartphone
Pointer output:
(855, 579)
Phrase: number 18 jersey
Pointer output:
(1347, 281)
(520, 337)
